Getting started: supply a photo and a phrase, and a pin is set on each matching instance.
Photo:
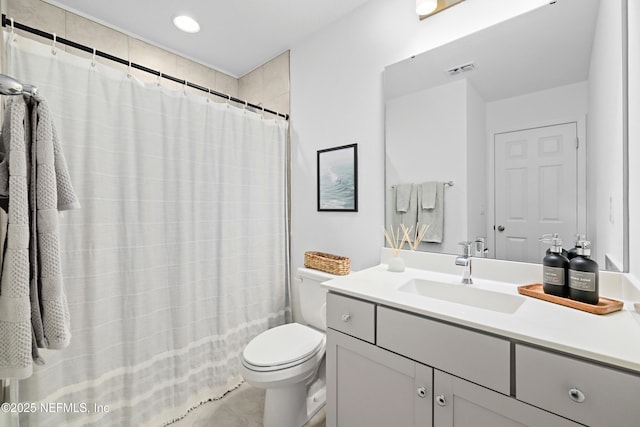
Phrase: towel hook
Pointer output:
(53, 45)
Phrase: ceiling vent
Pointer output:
(461, 68)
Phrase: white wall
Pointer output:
(437, 134)
(538, 108)
(476, 165)
(634, 137)
(337, 98)
(426, 136)
(604, 129)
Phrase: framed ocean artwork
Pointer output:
(338, 179)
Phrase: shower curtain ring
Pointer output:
(129, 70)
(159, 78)
(53, 45)
(209, 97)
(93, 58)
(13, 31)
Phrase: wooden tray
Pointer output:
(604, 306)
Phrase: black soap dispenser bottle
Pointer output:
(573, 252)
(554, 269)
(583, 275)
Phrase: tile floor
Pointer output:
(241, 407)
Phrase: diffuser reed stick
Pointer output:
(395, 241)
(417, 236)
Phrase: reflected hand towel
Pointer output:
(403, 197)
(428, 195)
(434, 217)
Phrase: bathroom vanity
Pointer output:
(418, 348)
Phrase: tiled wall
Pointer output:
(267, 85)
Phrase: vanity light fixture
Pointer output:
(186, 24)
(425, 7)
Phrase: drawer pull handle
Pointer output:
(576, 395)
(421, 392)
(440, 400)
(346, 317)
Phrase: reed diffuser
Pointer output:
(396, 241)
(417, 236)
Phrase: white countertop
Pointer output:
(612, 338)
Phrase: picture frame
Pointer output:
(337, 179)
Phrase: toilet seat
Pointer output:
(282, 347)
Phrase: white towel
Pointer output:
(394, 218)
(434, 217)
(428, 195)
(403, 197)
(33, 304)
(52, 192)
(15, 308)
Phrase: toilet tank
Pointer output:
(313, 296)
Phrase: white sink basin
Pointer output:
(464, 294)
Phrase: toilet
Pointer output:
(288, 360)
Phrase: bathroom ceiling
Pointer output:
(509, 59)
(236, 35)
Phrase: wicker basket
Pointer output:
(333, 264)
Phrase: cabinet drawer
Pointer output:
(351, 316)
(584, 392)
(480, 358)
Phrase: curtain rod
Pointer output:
(13, 24)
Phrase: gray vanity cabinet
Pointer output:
(389, 368)
(480, 358)
(371, 387)
(576, 389)
(460, 403)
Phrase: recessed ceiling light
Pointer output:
(186, 24)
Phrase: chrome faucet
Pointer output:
(464, 260)
(480, 248)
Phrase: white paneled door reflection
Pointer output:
(536, 190)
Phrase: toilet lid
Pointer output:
(283, 344)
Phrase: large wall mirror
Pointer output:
(518, 130)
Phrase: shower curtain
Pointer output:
(178, 256)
